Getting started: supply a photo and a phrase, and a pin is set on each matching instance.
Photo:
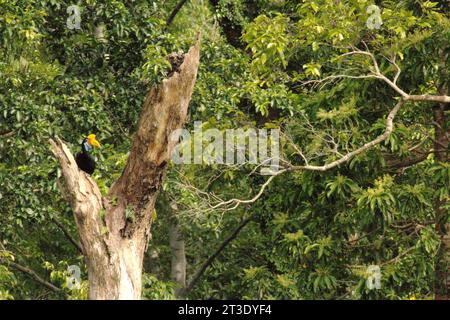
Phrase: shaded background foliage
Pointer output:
(312, 235)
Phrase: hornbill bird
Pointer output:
(84, 159)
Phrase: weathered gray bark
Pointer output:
(177, 247)
(113, 244)
(178, 266)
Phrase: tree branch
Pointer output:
(210, 260)
(416, 157)
(68, 235)
(325, 167)
(387, 132)
(238, 202)
(376, 73)
(429, 98)
(175, 12)
(389, 126)
(398, 257)
(84, 196)
(34, 276)
(163, 115)
(7, 134)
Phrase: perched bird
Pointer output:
(84, 159)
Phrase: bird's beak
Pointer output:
(95, 143)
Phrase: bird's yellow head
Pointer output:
(93, 141)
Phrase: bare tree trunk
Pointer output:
(115, 229)
(177, 246)
(178, 266)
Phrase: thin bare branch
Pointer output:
(429, 98)
(350, 155)
(376, 73)
(237, 202)
(175, 11)
(68, 235)
(211, 258)
(7, 134)
(339, 76)
(33, 275)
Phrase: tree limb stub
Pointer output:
(164, 111)
(84, 197)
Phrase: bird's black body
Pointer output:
(84, 159)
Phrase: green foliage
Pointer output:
(313, 234)
(155, 289)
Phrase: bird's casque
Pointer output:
(84, 159)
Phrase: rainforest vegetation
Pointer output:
(356, 208)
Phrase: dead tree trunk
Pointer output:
(115, 229)
(177, 246)
(178, 263)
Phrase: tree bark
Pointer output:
(178, 251)
(178, 264)
(115, 229)
(231, 29)
(441, 154)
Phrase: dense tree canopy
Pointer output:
(323, 72)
